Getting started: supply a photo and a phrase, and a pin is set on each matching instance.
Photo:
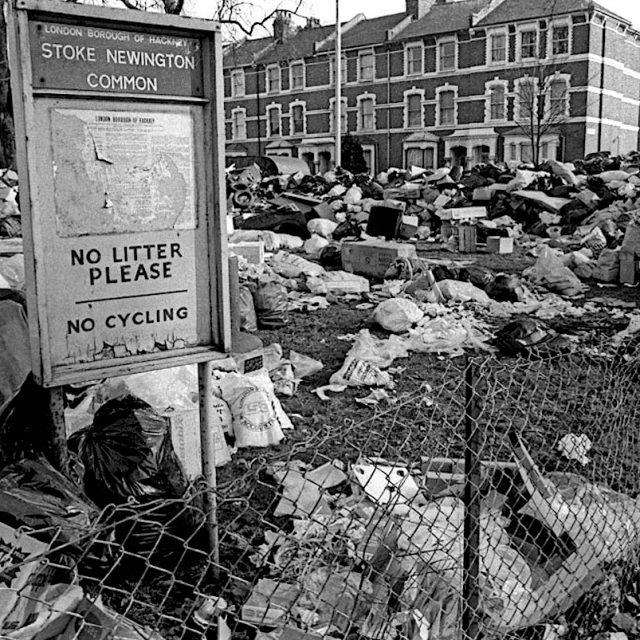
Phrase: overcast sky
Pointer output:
(325, 10)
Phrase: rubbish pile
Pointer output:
(377, 549)
(10, 219)
(582, 210)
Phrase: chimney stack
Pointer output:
(419, 8)
(283, 26)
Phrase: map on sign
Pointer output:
(122, 172)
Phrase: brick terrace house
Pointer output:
(441, 81)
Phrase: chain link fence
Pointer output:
(500, 499)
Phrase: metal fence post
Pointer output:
(471, 559)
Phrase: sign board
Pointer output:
(120, 134)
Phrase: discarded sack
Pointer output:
(271, 305)
(550, 272)
(257, 416)
(127, 453)
(247, 309)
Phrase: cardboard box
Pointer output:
(251, 251)
(408, 227)
(628, 268)
(373, 257)
(467, 236)
(496, 244)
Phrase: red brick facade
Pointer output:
(450, 85)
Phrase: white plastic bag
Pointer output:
(314, 245)
(322, 227)
(381, 353)
(550, 272)
(459, 291)
(257, 416)
(397, 314)
(304, 366)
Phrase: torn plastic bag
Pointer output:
(462, 292)
(359, 373)
(271, 305)
(528, 337)
(257, 416)
(550, 272)
(175, 388)
(127, 453)
(314, 245)
(397, 314)
(248, 317)
(380, 353)
(15, 354)
(284, 381)
(322, 227)
(36, 498)
(304, 366)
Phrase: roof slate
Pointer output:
(444, 18)
(519, 10)
(368, 32)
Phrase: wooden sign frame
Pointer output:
(75, 86)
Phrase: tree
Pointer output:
(541, 97)
(237, 15)
(352, 155)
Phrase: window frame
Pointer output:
(237, 111)
(343, 115)
(274, 106)
(489, 53)
(293, 105)
(297, 63)
(550, 40)
(442, 42)
(488, 109)
(270, 68)
(423, 147)
(237, 73)
(517, 96)
(414, 91)
(332, 69)
(439, 91)
(365, 97)
(523, 29)
(557, 78)
(414, 46)
(361, 55)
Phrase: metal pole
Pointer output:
(471, 559)
(338, 81)
(207, 443)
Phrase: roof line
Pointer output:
(347, 25)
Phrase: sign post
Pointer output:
(120, 140)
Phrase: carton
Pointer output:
(373, 257)
(496, 244)
(628, 267)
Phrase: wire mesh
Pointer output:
(500, 499)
